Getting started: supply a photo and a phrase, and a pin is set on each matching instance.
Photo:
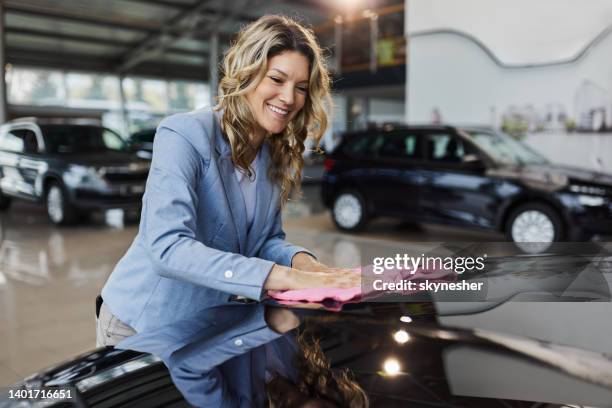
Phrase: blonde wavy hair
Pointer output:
(244, 66)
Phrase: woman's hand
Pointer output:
(306, 262)
(284, 278)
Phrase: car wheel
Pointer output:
(5, 202)
(349, 211)
(534, 223)
(59, 210)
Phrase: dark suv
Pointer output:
(72, 167)
(465, 177)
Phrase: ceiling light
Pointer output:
(391, 366)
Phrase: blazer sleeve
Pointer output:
(276, 249)
(170, 209)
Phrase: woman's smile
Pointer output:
(281, 113)
(281, 94)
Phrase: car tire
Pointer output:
(535, 223)
(5, 202)
(349, 211)
(59, 209)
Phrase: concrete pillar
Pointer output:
(338, 44)
(3, 102)
(124, 111)
(213, 67)
(373, 43)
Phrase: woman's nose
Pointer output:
(286, 95)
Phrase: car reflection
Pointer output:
(437, 366)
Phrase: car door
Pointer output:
(456, 191)
(11, 150)
(397, 179)
(30, 164)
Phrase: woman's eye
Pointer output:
(302, 89)
(277, 80)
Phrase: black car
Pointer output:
(465, 177)
(141, 142)
(72, 167)
(397, 352)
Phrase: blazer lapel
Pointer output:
(233, 194)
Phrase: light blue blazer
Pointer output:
(223, 357)
(193, 250)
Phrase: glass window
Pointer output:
(146, 94)
(66, 139)
(391, 44)
(356, 44)
(358, 145)
(13, 141)
(90, 90)
(399, 146)
(446, 148)
(30, 143)
(505, 149)
(35, 87)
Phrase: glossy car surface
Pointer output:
(437, 366)
(463, 177)
(72, 168)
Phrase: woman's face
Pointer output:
(281, 93)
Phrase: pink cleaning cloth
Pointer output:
(334, 298)
(317, 295)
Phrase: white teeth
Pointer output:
(278, 110)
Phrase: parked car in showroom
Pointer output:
(397, 352)
(141, 142)
(470, 177)
(70, 166)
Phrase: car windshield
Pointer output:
(66, 139)
(504, 148)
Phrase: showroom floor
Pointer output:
(49, 276)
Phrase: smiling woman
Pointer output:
(276, 84)
(211, 227)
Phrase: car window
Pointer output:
(20, 141)
(446, 148)
(504, 148)
(30, 142)
(401, 146)
(65, 139)
(357, 145)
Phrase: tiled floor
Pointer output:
(49, 276)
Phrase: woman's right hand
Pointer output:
(285, 278)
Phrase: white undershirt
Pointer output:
(248, 188)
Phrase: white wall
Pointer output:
(453, 74)
(518, 31)
(477, 61)
(592, 151)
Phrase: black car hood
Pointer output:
(576, 174)
(552, 177)
(361, 339)
(104, 159)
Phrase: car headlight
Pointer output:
(83, 176)
(588, 190)
(591, 200)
